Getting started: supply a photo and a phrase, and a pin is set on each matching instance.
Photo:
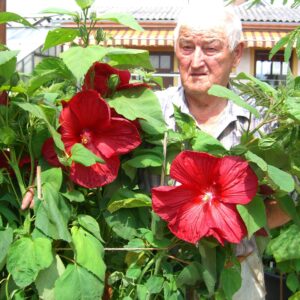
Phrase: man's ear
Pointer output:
(238, 52)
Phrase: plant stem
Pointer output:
(6, 287)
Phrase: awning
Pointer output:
(164, 37)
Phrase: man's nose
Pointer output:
(198, 58)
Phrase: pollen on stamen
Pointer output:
(84, 140)
(207, 196)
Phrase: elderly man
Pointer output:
(208, 46)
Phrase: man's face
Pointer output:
(204, 59)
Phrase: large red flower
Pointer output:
(205, 202)
(49, 154)
(86, 119)
(97, 78)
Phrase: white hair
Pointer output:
(211, 15)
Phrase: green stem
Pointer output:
(14, 164)
(6, 287)
(145, 270)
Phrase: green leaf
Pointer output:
(88, 252)
(79, 59)
(90, 224)
(250, 156)
(155, 284)
(128, 199)
(46, 279)
(143, 104)
(77, 283)
(292, 282)
(263, 85)
(84, 3)
(185, 123)
(26, 257)
(6, 17)
(142, 292)
(289, 48)
(8, 61)
(74, 196)
(279, 45)
(52, 213)
(60, 36)
(223, 92)
(84, 156)
(190, 274)
(231, 281)
(52, 177)
(145, 160)
(296, 296)
(208, 259)
(286, 246)
(129, 58)
(204, 142)
(293, 107)
(253, 215)
(59, 11)
(7, 136)
(121, 18)
(6, 238)
(284, 181)
(125, 222)
(38, 112)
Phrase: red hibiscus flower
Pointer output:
(3, 98)
(97, 78)
(86, 119)
(49, 154)
(205, 202)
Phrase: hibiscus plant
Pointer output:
(125, 208)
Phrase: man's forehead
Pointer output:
(207, 34)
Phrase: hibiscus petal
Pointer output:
(90, 109)
(166, 200)
(49, 154)
(119, 138)
(194, 169)
(237, 180)
(96, 175)
(225, 219)
(191, 222)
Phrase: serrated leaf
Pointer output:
(140, 103)
(6, 17)
(252, 157)
(46, 279)
(293, 107)
(26, 257)
(79, 59)
(38, 112)
(74, 196)
(6, 238)
(190, 274)
(283, 180)
(77, 283)
(84, 156)
(204, 142)
(253, 215)
(129, 58)
(90, 224)
(7, 136)
(88, 252)
(231, 281)
(59, 36)
(154, 284)
(121, 18)
(286, 246)
(223, 92)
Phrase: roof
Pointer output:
(261, 13)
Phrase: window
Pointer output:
(271, 71)
(163, 64)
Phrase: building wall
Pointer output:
(245, 64)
